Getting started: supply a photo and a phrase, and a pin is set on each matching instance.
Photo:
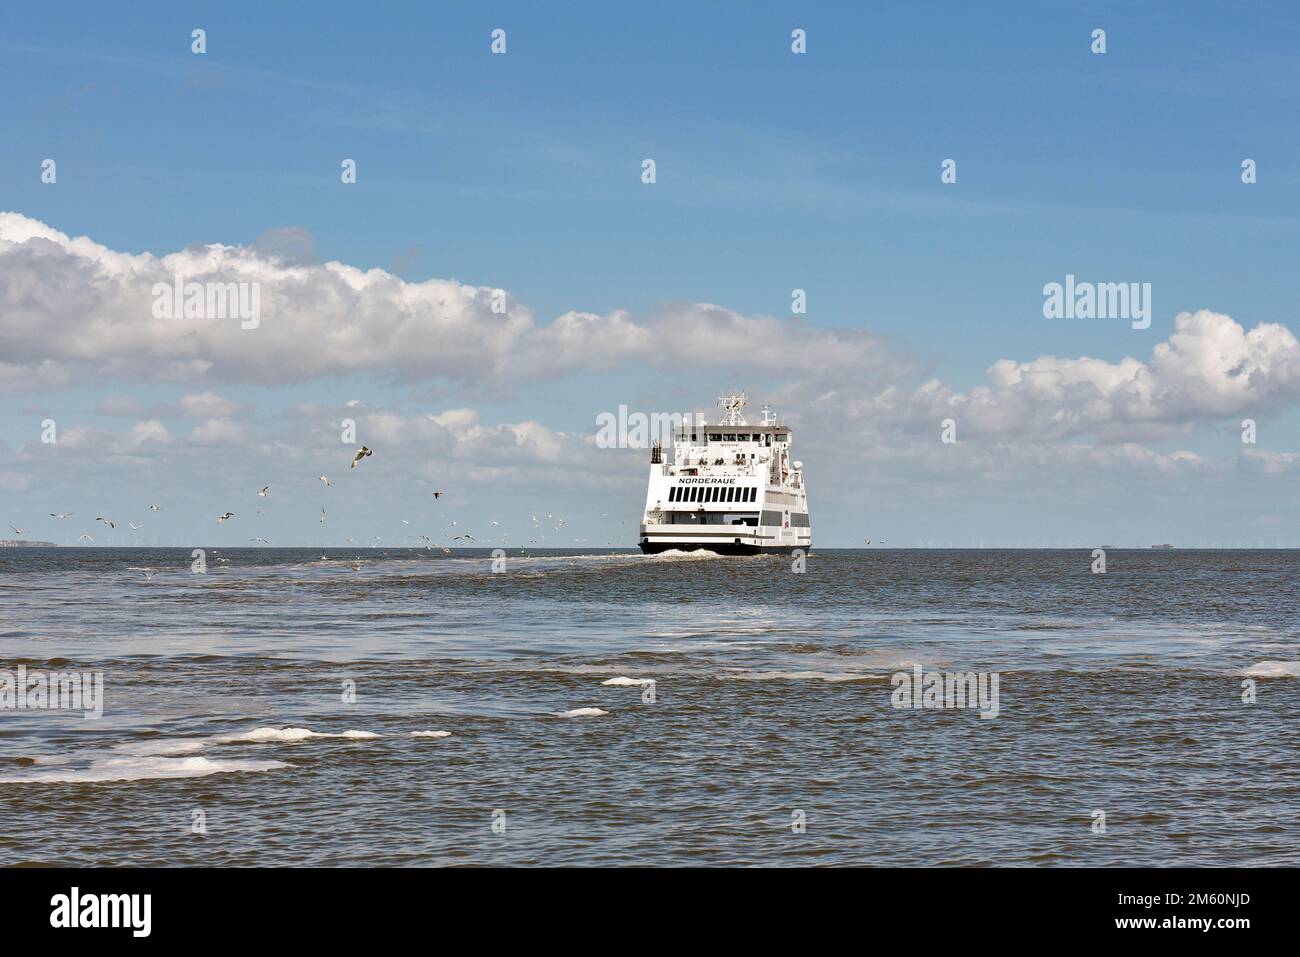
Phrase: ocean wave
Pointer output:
(678, 554)
(581, 713)
(137, 768)
(1274, 669)
(258, 735)
(431, 734)
(738, 674)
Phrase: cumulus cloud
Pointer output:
(1209, 368)
(70, 305)
(1271, 463)
(218, 432)
(201, 405)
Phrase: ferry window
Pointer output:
(769, 439)
(672, 496)
(695, 493)
(729, 437)
(731, 495)
(693, 439)
(715, 436)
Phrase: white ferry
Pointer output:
(731, 488)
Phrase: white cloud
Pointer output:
(202, 405)
(218, 432)
(1210, 368)
(70, 305)
(1271, 463)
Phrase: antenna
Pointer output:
(731, 404)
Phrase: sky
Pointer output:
(500, 274)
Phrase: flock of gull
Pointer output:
(463, 536)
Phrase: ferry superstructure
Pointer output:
(731, 488)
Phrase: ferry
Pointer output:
(731, 488)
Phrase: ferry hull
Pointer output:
(722, 548)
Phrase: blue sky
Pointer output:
(775, 172)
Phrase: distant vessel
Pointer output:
(731, 488)
(1162, 546)
(19, 543)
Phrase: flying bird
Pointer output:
(134, 526)
(18, 530)
(222, 518)
(60, 514)
(322, 515)
(265, 489)
(108, 522)
(326, 480)
(86, 538)
(262, 540)
(439, 494)
(361, 454)
(155, 508)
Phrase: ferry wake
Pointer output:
(731, 488)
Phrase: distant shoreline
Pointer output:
(10, 543)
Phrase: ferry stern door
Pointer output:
(787, 533)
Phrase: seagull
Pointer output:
(262, 540)
(155, 508)
(222, 518)
(265, 489)
(60, 514)
(361, 454)
(18, 530)
(322, 515)
(326, 480)
(439, 493)
(108, 522)
(86, 538)
(468, 538)
(148, 574)
(134, 526)
(867, 540)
